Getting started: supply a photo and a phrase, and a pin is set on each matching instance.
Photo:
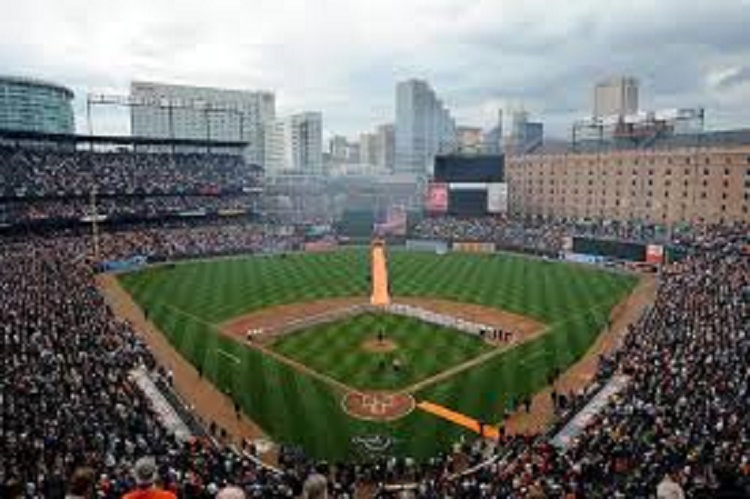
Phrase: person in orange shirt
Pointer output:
(145, 475)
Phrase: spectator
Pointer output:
(231, 493)
(145, 474)
(669, 489)
(81, 485)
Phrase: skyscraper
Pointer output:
(616, 97)
(295, 145)
(386, 144)
(203, 113)
(368, 148)
(492, 142)
(424, 127)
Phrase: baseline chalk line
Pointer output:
(228, 355)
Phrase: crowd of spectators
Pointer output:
(192, 240)
(548, 235)
(506, 233)
(682, 423)
(681, 426)
(70, 411)
(45, 172)
(13, 211)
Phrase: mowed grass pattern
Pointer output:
(423, 349)
(574, 302)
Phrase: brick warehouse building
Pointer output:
(698, 178)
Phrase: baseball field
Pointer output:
(292, 377)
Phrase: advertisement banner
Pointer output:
(321, 245)
(471, 247)
(133, 263)
(437, 198)
(655, 253)
(497, 198)
(584, 258)
(438, 247)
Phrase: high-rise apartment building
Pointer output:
(202, 113)
(386, 144)
(31, 105)
(424, 127)
(492, 142)
(616, 97)
(525, 136)
(294, 144)
(368, 148)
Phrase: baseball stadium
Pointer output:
(177, 321)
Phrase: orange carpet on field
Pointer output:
(380, 296)
(458, 418)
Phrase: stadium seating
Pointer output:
(67, 400)
(55, 185)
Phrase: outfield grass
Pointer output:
(572, 300)
(336, 349)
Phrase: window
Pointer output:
(705, 171)
(703, 195)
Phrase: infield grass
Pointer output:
(423, 349)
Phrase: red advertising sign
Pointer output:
(654, 253)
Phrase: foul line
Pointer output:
(475, 362)
(297, 366)
(228, 355)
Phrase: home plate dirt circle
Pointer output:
(379, 346)
(378, 406)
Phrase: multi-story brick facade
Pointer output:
(707, 184)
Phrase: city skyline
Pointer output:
(345, 58)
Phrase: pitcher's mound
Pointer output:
(376, 346)
(377, 406)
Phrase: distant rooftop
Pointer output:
(720, 138)
(35, 82)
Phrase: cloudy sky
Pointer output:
(343, 57)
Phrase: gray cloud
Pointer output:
(344, 57)
(738, 77)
